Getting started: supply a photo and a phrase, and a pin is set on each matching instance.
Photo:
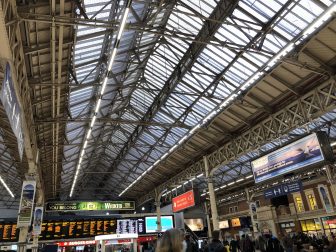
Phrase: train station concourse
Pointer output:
(167, 125)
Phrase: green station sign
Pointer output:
(90, 206)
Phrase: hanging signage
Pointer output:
(90, 206)
(183, 201)
(12, 107)
(26, 203)
(283, 189)
(37, 223)
(75, 243)
(302, 153)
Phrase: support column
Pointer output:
(23, 239)
(208, 219)
(213, 204)
(252, 214)
(158, 211)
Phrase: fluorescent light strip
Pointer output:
(7, 188)
(252, 80)
(102, 90)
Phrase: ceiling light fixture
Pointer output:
(251, 81)
(7, 188)
(102, 90)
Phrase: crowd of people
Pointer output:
(174, 240)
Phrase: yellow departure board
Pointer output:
(93, 226)
(86, 228)
(7, 232)
(58, 230)
(100, 227)
(14, 233)
(72, 229)
(65, 229)
(79, 228)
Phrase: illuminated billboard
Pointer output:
(302, 153)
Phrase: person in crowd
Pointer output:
(246, 244)
(287, 242)
(273, 244)
(261, 243)
(172, 241)
(234, 244)
(226, 246)
(191, 246)
(215, 245)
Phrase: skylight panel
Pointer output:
(303, 12)
(249, 8)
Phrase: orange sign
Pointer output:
(183, 201)
(235, 222)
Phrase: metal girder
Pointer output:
(223, 9)
(113, 121)
(303, 110)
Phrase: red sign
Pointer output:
(183, 201)
(331, 222)
(146, 238)
(75, 243)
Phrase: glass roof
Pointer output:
(146, 62)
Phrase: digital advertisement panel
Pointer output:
(195, 224)
(299, 154)
(166, 223)
(38, 218)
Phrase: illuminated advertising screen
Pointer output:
(299, 154)
(195, 224)
(235, 222)
(166, 223)
(224, 224)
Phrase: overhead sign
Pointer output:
(75, 243)
(26, 203)
(183, 201)
(90, 206)
(12, 107)
(37, 223)
(301, 153)
(283, 189)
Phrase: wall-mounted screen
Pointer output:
(127, 226)
(166, 223)
(224, 224)
(301, 153)
(195, 224)
(235, 222)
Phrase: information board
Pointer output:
(93, 227)
(127, 226)
(14, 234)
(79, 229)
(100, 227)
(7, 232)
(86, 228)
(58, 230)
(50, 231)
(89, 206)
(72, 229)
(65, 229)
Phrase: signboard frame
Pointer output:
(26, 203)
(183, 201)
(90, 206)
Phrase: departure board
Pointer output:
(93, 227)
(42, 236)
(127, 226)
(141, 226)
(100, 227)
(72, 229)
(79, 228)
(57, 229)
(14, 234)
(1, 230)
(50, 231)
(86, 228)
(65, 229)
(7, 232)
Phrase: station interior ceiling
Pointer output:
(123, 98)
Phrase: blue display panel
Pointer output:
(166, 223)
(302, 153)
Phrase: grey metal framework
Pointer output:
(228, 79)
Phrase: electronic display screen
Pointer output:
(79, 229)
(50, 230)
(57, 230)
(141, 226)
(195, 224)
(93, 226)
(127, 226)
(100, 227)
(14, 234)
(166, 223)
(72, 229)
(65, 229)
(299, 154)
(224, 224)
(7, 232)
(43, 231)
(1, 230)
(86, 228)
